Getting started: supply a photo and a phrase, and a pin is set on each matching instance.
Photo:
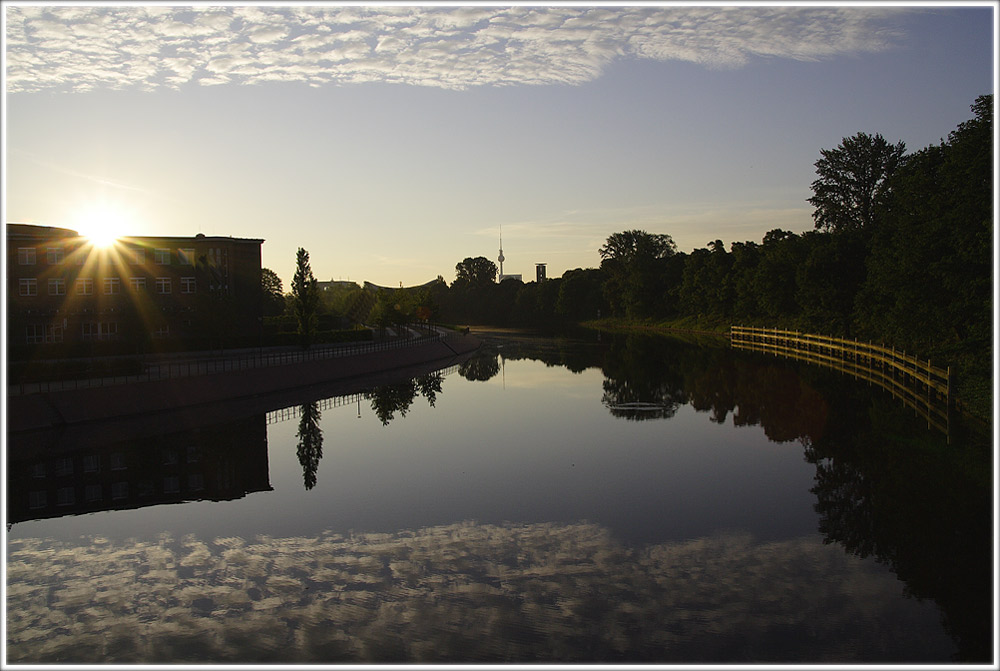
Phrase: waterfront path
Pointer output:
(185, 364)
(205, 380)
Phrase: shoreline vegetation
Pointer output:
(901, 255)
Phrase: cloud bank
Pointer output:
(154, 47)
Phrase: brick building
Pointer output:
(64, 293)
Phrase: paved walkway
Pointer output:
(186, 364)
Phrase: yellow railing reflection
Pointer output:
(920, 385)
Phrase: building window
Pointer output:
(26, 256)
(118, 462)
(64, 466)
(65, 496)
(119, 490)
(145, 488)
(162, 331)
(162, 257)
(112, 285)
(54, 255)
(186, 257)
(92, 493)
(88, 331)
(137, 283)
(137, 256)
(107, 331)
(57, 287)
(38, 470)
(196, 482)
(37, 499)
(53, 333)
(170, 457)
(171, 484)
(187, 285)
(163, 285)
(85, 286)
(27, 286)
(34, 334)
(92, 463)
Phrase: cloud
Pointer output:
(82, 48)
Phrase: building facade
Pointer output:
(63, 292)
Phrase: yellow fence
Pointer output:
(919, 384)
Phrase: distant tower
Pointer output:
(539, 272)
(500, 258)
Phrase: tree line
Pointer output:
(901, 253)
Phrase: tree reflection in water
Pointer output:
(886, 486)
(389, 399)
(310, 445)
(480, 368)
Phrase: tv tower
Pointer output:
(500, 258)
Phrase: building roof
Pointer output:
(36, 231)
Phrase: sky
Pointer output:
(392, 141)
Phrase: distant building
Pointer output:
(336, 284)
(61, 289)
(512, 276)
(539, 272)
(368, 286)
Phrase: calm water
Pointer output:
(554, 500)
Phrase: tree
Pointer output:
(305, 298)
(929, 282)
(273, 299)
(633, 263)
(477, 272)
(631, 245)
(852, 181)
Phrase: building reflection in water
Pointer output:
(95, 472)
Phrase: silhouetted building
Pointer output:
(539, 272)
(63, 289)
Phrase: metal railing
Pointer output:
(258, 358)
(919, 384)
(293, 411)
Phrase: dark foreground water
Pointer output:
(622, 500)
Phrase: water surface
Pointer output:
(554, 500)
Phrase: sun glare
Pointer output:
(102, 226)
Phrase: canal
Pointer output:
(604, 498)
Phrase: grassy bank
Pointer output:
(699, 325)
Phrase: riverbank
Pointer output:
(142, 398)
(972, 386)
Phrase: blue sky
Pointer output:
(393, 141)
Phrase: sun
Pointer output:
(102, 225)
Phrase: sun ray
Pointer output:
(102, 224)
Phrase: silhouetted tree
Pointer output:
(632, 264)
(852, 181)
(475, 272)
(305, 298)
(929, 282)
(272, 299)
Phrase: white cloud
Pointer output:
(450, 47)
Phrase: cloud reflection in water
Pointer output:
(462, 592)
